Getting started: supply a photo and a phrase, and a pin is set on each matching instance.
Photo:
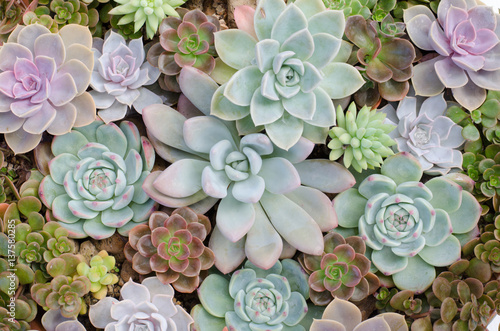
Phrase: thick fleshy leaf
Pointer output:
(349, 206)
(234, 218)
(425, 80)
(442, 255)
(402, 167)
(285, 132)
(203, 132)
(388, 262)
(216, 305)
(417, 276)
(344, 312)
(235, 47)
(242, 85)
(341, 80)
(447, 195)
(325, 175)
(181, 179)
(466, 216)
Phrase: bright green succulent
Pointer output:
(362, 138)
(352, 7)
(485, 171)
(149, 12)
(410, 226)
(59, 243)
(406, 302)
(99, 273)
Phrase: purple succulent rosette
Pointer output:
(119, 77)
(466, 38)
(424, 130)
(43, 81)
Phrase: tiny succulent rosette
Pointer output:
(342, 315)
(146, 306)
(172, 246)
(11, 15)
(342, 271)
(43, 81)
(99, 273)
(424, 131)
(254, 299)
(466, 39)
(119, 77)
(96, 174)
(259, 185)
(410, 227)
(288, 63)
(184, 41)
(362, 138)
(149, 12)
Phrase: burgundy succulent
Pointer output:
(172, 246)
(188, 41)
(342, 271)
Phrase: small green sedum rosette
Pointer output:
(410, 226)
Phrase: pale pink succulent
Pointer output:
(466, 38)
(43, 81)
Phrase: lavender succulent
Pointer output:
(466, 38)
(146, 306)
(94, 185)
(119, 77)
(43, 82)
(424, 130)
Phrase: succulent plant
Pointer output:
(184, 41)
(492, 289)
(410, 226)
(467, 44)
(424, 131)
(119, 77)
(406, 302)
(11, 15)
(99, 273)
(172, 246)
(386, 60)
(384, 296)
(146, 306)
(96, 174)
(342, 315)
(254, 299)
(485, 171)
(342, 271)
(149, 12)
(489, 252)
(362, 138)
(59, 243)
(53, 320)
(287, 67)
(42, 17)
(43, 84)
(259, 184)
(352, 7)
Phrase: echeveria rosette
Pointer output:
(254, 299)
(424, 130)
(286, 71)
(409, 226)
(149, 12)
(11, 14)
(466, 38)
(119, 77)
(146, 306)
(184, 41)
(96, 174)
(43, 82)
(172, 246)
(259, 185)
(342, 271)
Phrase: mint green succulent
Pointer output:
(363, 139)
(149, 12)
(99, 273)
(254, 299)
(410, 227)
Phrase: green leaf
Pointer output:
(470, 132)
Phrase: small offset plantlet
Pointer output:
(146, 306)
(99, 273)
(362, 138)
(11, 15)
(485, 171)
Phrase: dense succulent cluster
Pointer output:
(11, 15)
(99, 273)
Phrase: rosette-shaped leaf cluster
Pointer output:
(485, 171)
(62, 293)
(466, 38)
(119, 77)
(146, 306)
(362, 138)
(342, 271)
(485, 248)
(172, 246)
(99, 273)
(259, 184)
(342, 315)
(254, 299)
(386, 59)
(352, 7)
(43, 79)
(184, 41)
(288, 65)
(96, 174)
(58, 243)
(11, 15)
(384, 296)
(409, 225)
(406, 302)
(424, 131)
(149, 12)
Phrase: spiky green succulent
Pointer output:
(362, 138)
(99, 273)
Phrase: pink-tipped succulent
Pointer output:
(11, 14)
(172, 246)
(184, 41)
(43, 83)
(466, 38)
